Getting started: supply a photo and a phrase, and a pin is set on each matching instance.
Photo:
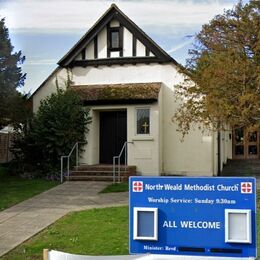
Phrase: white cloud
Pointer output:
(180, 46)
(72, 15)
(33, 62)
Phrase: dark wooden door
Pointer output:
(113, 135)
(245, 144)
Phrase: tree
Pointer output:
(223, 83)
(59, 123)
(20, 110)
(11, 76)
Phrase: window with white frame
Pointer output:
(143, 121)
(238, 226)
(145, 223)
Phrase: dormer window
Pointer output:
(115, 40)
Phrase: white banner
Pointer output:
(56, 255)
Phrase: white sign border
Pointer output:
(155, 227)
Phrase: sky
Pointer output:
(45, 30)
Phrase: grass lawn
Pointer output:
(93, 232)
(90, 232)
(117, 187)
(14, 189)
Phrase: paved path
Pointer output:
(27, 218)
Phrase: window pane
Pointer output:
(252, 149)
(143, 121)
(239, 135)
(115, 39)
(239, 149)
(145, 224)
(252, 137)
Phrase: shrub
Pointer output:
(60, 122)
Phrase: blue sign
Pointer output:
(193, 216)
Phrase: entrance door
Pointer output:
(113, 135)
(245, 144)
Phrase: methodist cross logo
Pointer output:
(137, 186)
(246, 187)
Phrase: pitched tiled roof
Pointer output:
(118, 92)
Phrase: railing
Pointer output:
(76, 146)
(118, 157)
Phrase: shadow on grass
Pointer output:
(116, 187)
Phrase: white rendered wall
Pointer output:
(102, 44)
(127, 43)
(140, 49)
(226, 146)
(49, 88)
(91, 149)
(114, 23)
(90, 51)
(114, 54)
(139, 73)
(160, 129)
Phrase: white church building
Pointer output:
(128, 83)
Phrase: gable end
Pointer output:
(115, 41)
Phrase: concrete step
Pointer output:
(103, 167)
(99, 173)
(242, 168)
(95, 178)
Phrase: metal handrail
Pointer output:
(76, 146)
(118, 157)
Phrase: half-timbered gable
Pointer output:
(114, 39)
